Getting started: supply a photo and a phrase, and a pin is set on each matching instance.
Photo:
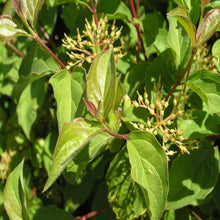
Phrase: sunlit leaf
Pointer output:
(149, 169)
(73, 137)
(181, 15)
(68, 93)
(30, 100)
(8, 28)
(100, 85)
(206, 84)
(126, 197)
(14, 195)
(189, 184)
(208, 26)
(28, 9)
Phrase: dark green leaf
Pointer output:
(30, 100)
(149, 169)
(126, 197)
(216, 193)
(181, 15)
(68, 94)
(135, 79)
(72, 139)
(208, 26)
(38, 61)
(100, 85)
(51, 213)
(14, 195)
(206, 84)
(189, 184)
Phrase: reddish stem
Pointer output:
(137, 27)
(37, 38)
(15, 49)
(91, 214)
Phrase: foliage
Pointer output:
(109, 109)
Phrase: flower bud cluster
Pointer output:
(162, 121)
(204, 59)
(5, 162)
(95, 38)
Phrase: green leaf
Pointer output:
(51, 213)
(72, 139)
(38, 61)
(28, 9)
(189, 184)
(216, 193)
(201, 125)
(23, 82)
(206, 84)
(149, 170)
(216, 53)
(68, 94)
(135, 79)
(100, 85)
(93, 148)
(179, 42)
(14, 195)
(208, 26)
(30, 100)
(125, 196)
(181, 15)
(8, 28)
(151, 28)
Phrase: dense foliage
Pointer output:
(109, 109)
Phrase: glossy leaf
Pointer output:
(100, 85)
(126, 197)
(208, 26)
(28, 9)
(181, 15)
(206, 84)
(68, 93)
(14, 195)
(72, 139)
(149, 170)
(8, 28)
(179, 42)
(189, 184)
(30, 100)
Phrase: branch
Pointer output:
(37, 38)
(185, 72)
(137, 26)
(8, 43)
(91, 214)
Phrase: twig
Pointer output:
(37, 38)
(180, 77)
(191, 212)
(91, 214)
(8, 43)
(137, 27)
